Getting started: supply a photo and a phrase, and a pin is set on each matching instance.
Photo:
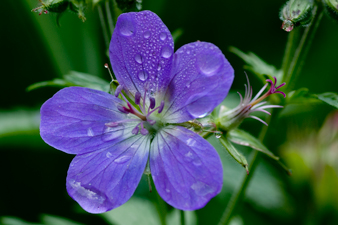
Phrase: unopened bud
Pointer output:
(331, 8)
(295, 13)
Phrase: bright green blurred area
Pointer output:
(35, 49)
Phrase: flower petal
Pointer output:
(202, 77)
(105, 179)
(141, 51)
(186, 169)
(73, 120)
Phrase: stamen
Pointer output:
(135, 130)
(137, 98)
(256, 118)
(160, 108)
(152, 102)
(143, 130)
(110, 73)
(151, 122)
(118, 90)
(123, 109)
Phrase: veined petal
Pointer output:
(186, 169)
(74, 119)
(141, 51)
(105, 179)
(202, 77)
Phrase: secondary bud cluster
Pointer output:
(296, 13)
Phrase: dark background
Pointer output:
(35, 49)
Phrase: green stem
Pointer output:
(109, 18)
(182, 217)
(237, 195)
(301, 52)
(103, 25)
(289, 49)
(161, 208)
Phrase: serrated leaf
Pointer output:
(257, 65)
(234, 153)
(74, 79)
(329, 98)
(243, 138)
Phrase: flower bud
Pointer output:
(78, 6)
(295, 13)
(331, 7)
(57, 6)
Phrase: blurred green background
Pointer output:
(33, 174)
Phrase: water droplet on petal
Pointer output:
(146, 34)
(200, 106)
(87, 192)
(111, 133)
(109, 155)
(123, 159)
(90, 132)
(201, 188)
(167, 190)
(138, 58)
(167, 51)
(163, 36)
(126, 26)
(209, 63)
(143, 75)
(159, 67)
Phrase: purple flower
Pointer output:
(114, 138)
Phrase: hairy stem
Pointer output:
(103, 25)
(237, 195)
(302, 49)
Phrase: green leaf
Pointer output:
(8, 220)
(75, 79)
(257, 65)
(243, 138)
(19, 121)
(329, 98)
(234, 153)
(55, 220)
(135, 211)
(177, 34)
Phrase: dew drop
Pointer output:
(111, 133)
(167, 190)
(142, 75)
(209, 63)
(108, 155)
(126, 26)
(90, 132)
(201, 188)
(163, 36)
(146, 34)
(138, 58)
(122, 159)
(166, 52)
(200, 106)
(159, 67)
(218, 134)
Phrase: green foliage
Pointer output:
(45, 220)
(74, 79)
(234, 153)
(129, 5)
(244, 138)
(257, 65)
(331, 8)
(329, 98)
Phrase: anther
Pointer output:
(135, 130)
(160, 108)
(118, 90)
(152, 102)
(137, 98)
(143, 130)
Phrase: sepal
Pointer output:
(331, 8)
